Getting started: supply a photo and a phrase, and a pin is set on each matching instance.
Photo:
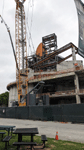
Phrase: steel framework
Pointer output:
(50, 54)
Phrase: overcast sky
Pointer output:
(49, 16)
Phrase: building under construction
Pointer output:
(46, 78)
(62, 79)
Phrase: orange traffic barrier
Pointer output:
(56, 137)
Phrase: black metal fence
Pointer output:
(63, 113)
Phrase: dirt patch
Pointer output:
(52, 146)
(36, 147)
(69, 144)
(43, 149)
(55, 141)
(35, 138)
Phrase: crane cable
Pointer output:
(31, 40)
(29, 29)
(29, 46)
(31, 16)
(3, 8)
(31, 24)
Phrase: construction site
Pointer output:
(46, 77)
(61, 85)
(49, 84)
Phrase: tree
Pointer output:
(4, 98)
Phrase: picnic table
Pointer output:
(7, 138)
(25, 131)
(7, 127)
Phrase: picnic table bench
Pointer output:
(6, 140)
(43, 138)
(18, 144)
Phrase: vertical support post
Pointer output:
(73, 56)
(76, 80)
(56, 59)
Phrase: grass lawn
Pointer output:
(51, 144)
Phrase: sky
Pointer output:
(42, 18)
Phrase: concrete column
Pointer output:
(76, 81)
(73, 56)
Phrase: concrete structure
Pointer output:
(63, 84)
(67, 65)
(13, 95)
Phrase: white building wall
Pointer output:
(13, 95)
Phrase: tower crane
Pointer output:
(21, 52)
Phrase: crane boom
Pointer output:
(20, 53)
(2, 20)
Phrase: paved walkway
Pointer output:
(68, 131)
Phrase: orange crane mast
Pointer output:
(21, 52)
